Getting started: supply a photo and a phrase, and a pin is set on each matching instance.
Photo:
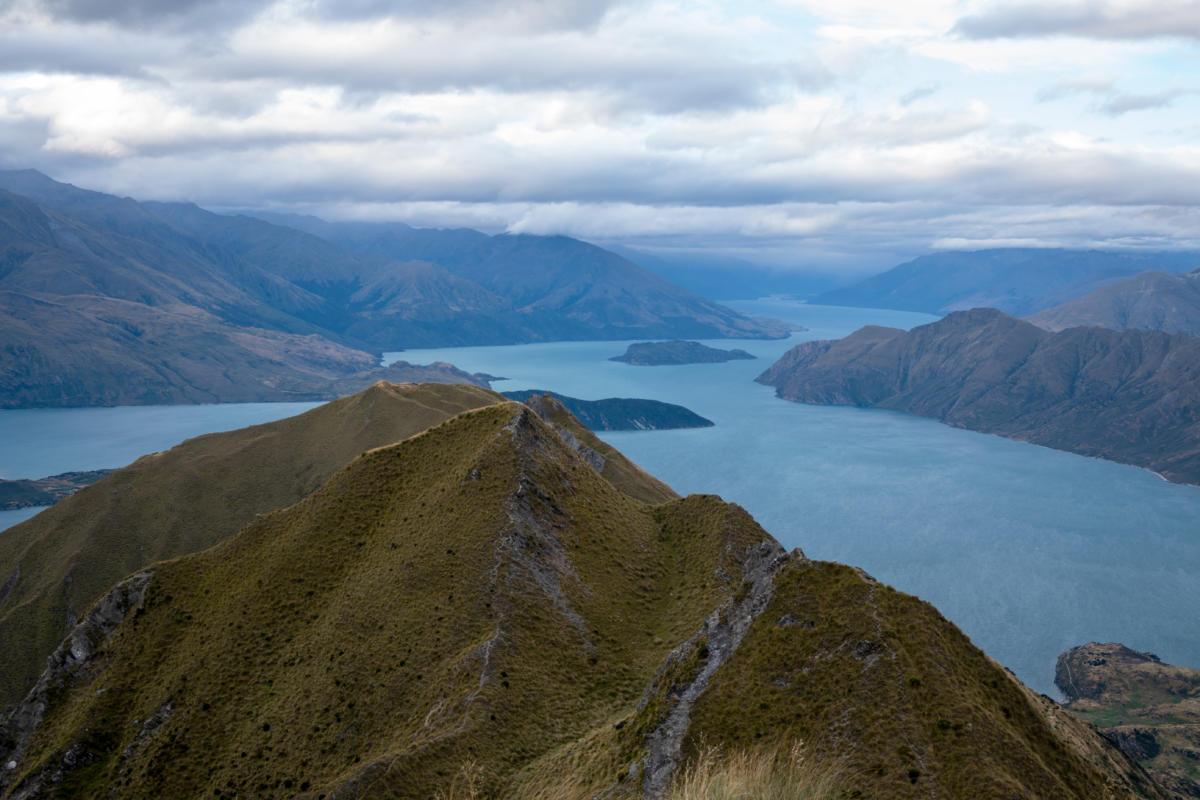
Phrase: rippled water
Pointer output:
(1029, 550)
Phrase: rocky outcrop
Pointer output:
(1128, 396)
(711, 646)
(1147, 708)
(66, 668)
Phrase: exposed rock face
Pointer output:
(67, 667)
(1152, 301)
(1129, 396)
(658, 354)
(714, 644)
(622, 414)
(480, 590)
(1150, 710)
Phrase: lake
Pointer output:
(1029, 550)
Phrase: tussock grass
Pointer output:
(777, 773)
(765, 774)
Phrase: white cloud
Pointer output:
(802, 130)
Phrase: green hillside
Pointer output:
(480, 597)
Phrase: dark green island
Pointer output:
(621, 413)
(658, 354)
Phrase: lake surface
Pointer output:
(1029, 550)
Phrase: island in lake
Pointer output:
(621, 413)
(658, 354)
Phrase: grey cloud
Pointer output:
(78, 51)
(662, 79)
(193, 16)
(528, 14)
(919, 93)
(1110, 100)
(1099, 19)
(1118, 104)
(1071, 88)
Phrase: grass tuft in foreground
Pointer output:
(763, 774)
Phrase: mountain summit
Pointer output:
(487, 596)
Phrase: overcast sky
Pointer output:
(838, 135)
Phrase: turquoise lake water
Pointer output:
(1029, 550)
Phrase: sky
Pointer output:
(830, 136)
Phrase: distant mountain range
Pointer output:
(1152, 301)
(1016, 281)
(728, 278)
(105, 300)
(1129, 396)
(483, 609)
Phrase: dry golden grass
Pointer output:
(764, 774)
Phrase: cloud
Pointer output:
(1111, 101)
(792, 131)
(185, 15)
(919, 93)
(1098, 19)
(513, 14)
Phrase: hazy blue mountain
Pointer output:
(1016, 281)
(727, 278)
(1152, 301)
(551, 287)
(108, 300)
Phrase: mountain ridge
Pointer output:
(1128, 396)
(109, 300)
(1152, 301)
(1018, 281)
(438, 599)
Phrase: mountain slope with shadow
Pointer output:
(480, 598)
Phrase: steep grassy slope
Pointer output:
(1129, 396)
(480, 594)
(1152, 301)
(853, 667)
(53, 566)
(1015, 280)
